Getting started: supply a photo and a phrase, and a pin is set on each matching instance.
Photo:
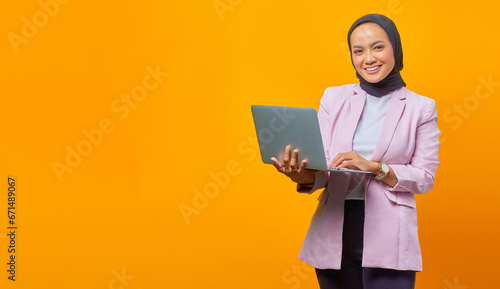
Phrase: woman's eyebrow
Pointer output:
(377, 42)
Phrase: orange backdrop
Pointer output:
(127, 128)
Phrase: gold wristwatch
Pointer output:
(383, 171)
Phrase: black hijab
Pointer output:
(393, 80)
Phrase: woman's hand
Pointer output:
(300, 174)
(352, 160)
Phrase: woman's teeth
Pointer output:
(372, 68)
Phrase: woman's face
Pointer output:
(372, 53)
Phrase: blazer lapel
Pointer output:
(392, 117)
(358, 100)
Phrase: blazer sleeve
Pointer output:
(417, 177)
(321, 178)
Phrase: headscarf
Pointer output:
(393, 80)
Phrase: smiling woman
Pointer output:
(364, 232)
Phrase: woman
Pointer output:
(364, 231)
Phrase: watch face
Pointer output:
(384, 167)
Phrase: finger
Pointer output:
(354, 161)
(336, 159)
(302, 167)
(350, 164)
(277, 165)
(339, 159)
(344, 164)
(286, 157)
(342, 157)
(295, 156)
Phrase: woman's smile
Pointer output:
(373, 69)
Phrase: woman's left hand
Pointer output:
(352, 160)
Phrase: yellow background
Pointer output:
(117, 213)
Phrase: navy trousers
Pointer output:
(352, 275)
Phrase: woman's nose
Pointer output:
(370, 58)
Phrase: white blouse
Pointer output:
(366, 138)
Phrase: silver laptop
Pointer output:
(279, 126)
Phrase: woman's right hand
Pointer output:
(299, 174)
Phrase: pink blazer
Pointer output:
(409, 143)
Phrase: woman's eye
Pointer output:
(358, 51)
(378, 47)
